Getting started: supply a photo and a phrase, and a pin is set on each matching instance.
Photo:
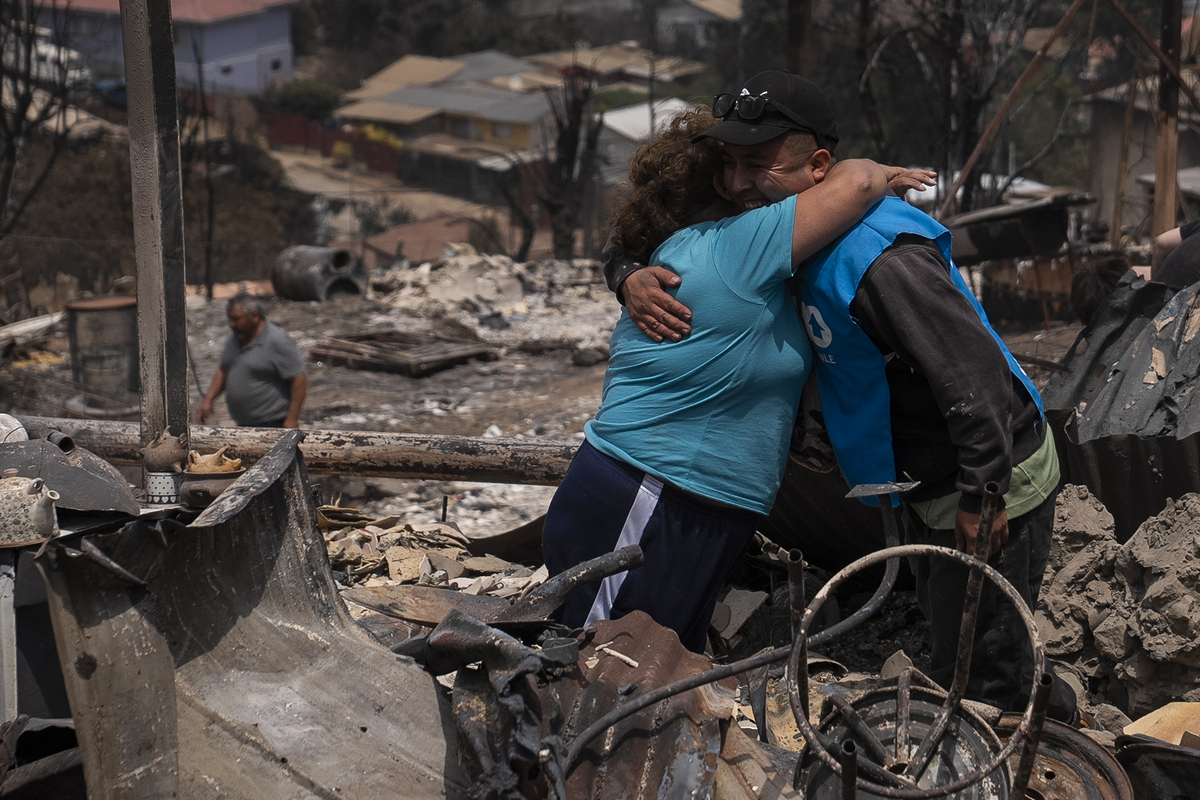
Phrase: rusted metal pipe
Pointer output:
(364, 453)
(966, 634)
(1033, 735)
(849, 760)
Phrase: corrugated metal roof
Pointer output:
(1147, 95)
(478, 101)
(488, 64)
(618, 58)
(728, 10)
(191, 10)
(408, 71)
(379, 111)
(633, 122)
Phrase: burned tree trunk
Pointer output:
(572, 172)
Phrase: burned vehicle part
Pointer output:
(883, 759)
(305, 272)
(213, 659)
(1157, 769)
(1070, 766)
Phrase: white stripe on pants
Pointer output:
(631, 533)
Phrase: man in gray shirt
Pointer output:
(261, 367)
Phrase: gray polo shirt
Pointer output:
(258, 377)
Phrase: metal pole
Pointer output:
(157, 215)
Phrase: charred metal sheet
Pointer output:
(1130, 439)
(1157, 769)
(670, 750)
(236, 671)
(83, 480)
(1070, 766)
(1142, 381)
(1132, 476)
(497, 711)
(1016, 230)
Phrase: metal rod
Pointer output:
(903, 714)
(966, 636)
(849, 759)
(1031, 69)
(816, 741)
(891, 538)
(798, 661)
(331, 452)
(157, 193)
(859, 728)
(1033, 735)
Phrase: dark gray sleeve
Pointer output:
(288, 360)
(617, 268)
(229, 353)
(908, 304)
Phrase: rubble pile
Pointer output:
(1124, 618)
(387, 551)
(507, 302)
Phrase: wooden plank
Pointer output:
(332, 452)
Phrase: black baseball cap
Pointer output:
(771, 104)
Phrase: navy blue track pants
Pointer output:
(690, 546)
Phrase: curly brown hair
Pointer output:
(670, 185)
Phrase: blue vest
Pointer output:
(850, 369)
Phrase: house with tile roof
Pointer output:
(242, 46)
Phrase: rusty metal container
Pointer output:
(103, 335)
(316, 273)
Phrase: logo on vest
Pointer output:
(815, 325)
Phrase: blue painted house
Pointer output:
(244, 46)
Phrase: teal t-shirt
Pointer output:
(713, 414)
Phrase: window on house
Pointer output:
(225, 70)
(501, 130)
(276, 65)
(463, 128)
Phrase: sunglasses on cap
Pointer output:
(750, 107)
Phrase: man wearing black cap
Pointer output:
(914, 383)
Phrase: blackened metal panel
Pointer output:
(268, 689)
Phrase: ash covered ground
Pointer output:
(539, 317)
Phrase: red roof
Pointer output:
(191, 10)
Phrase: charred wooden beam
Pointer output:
(157, 214)
(332, 452)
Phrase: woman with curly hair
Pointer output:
(689, 445)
